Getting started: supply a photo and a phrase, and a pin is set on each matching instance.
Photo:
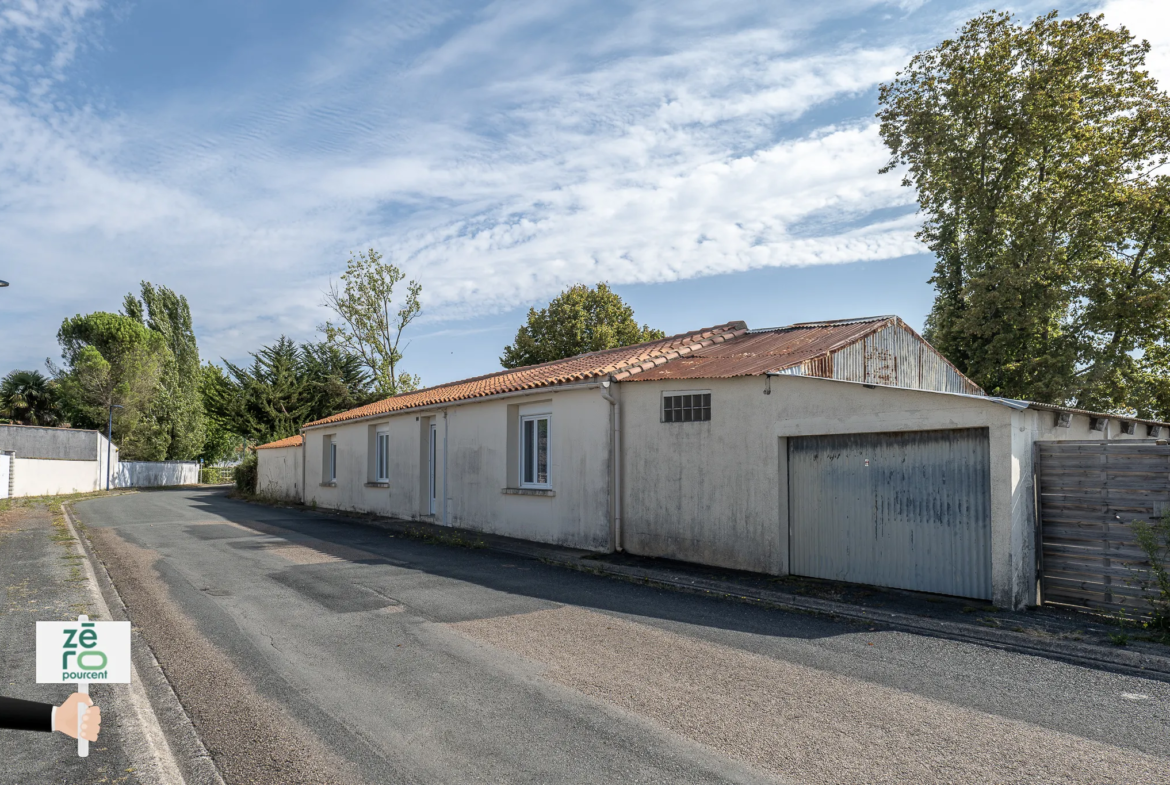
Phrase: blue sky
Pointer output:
(712, 160)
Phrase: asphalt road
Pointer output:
(311, 649)
(42, 578)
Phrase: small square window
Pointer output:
(686, 407)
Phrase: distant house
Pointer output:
(849, 450)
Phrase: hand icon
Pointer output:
(65, 719)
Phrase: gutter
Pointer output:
(444, 405)
(446, 519)
(616, 449)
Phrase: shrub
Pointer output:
(247, 473)
(1154, 540)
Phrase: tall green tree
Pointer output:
(1036, 152)
(29, 398)
(221, 443)
(579, 319)
(114, 360)
(369, 325)
(178, 405)
(285, 386)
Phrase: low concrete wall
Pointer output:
(279, 472)
(155, 474)
(43, 477)
(5, 466)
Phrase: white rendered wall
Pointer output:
(155, 474)
(41, 477)
(279, 472)
(716, 492)
(577, 514)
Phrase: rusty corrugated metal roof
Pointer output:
(759, 352)
(621, 363)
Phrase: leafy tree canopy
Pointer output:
(29, 398)
(285, 386)
(1036, 154)
(579, 319)
(178, 405)
(369, 324)
(114, 360)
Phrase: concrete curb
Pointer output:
(190, 757)
(1115, 660)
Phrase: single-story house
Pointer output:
(850, 450)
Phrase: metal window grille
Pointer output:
(690, 407)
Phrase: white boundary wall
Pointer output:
(5, 467)
(279, 472)
(154, 474)
(46, 477)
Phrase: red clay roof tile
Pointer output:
(620, 363)
(288, 441)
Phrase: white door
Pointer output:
(434, 467)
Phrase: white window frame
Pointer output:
(382, 456)
(525, 447)
(332, 460)
(676, 393)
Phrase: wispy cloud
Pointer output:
(498, 152)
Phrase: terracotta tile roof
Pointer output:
(760, 351)
(288, 441)
(621, 363)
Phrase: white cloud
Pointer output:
(652, 163)
(1148, 20)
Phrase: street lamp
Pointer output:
(110, 442)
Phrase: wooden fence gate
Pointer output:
(1089, 495)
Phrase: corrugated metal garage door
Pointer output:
(906, 510)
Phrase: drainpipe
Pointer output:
(304, 469)
(616, 445)
(446, 520)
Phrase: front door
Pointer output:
(434, 468)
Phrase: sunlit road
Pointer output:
(311, 649)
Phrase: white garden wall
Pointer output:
(5, 466)
(155, 474)
(279, 472)
(45, 477)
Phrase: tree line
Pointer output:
(138, 371)
(142, 366)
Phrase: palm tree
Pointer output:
(29, 398)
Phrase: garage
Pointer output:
(907, 510)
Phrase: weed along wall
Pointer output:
(477, 445)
